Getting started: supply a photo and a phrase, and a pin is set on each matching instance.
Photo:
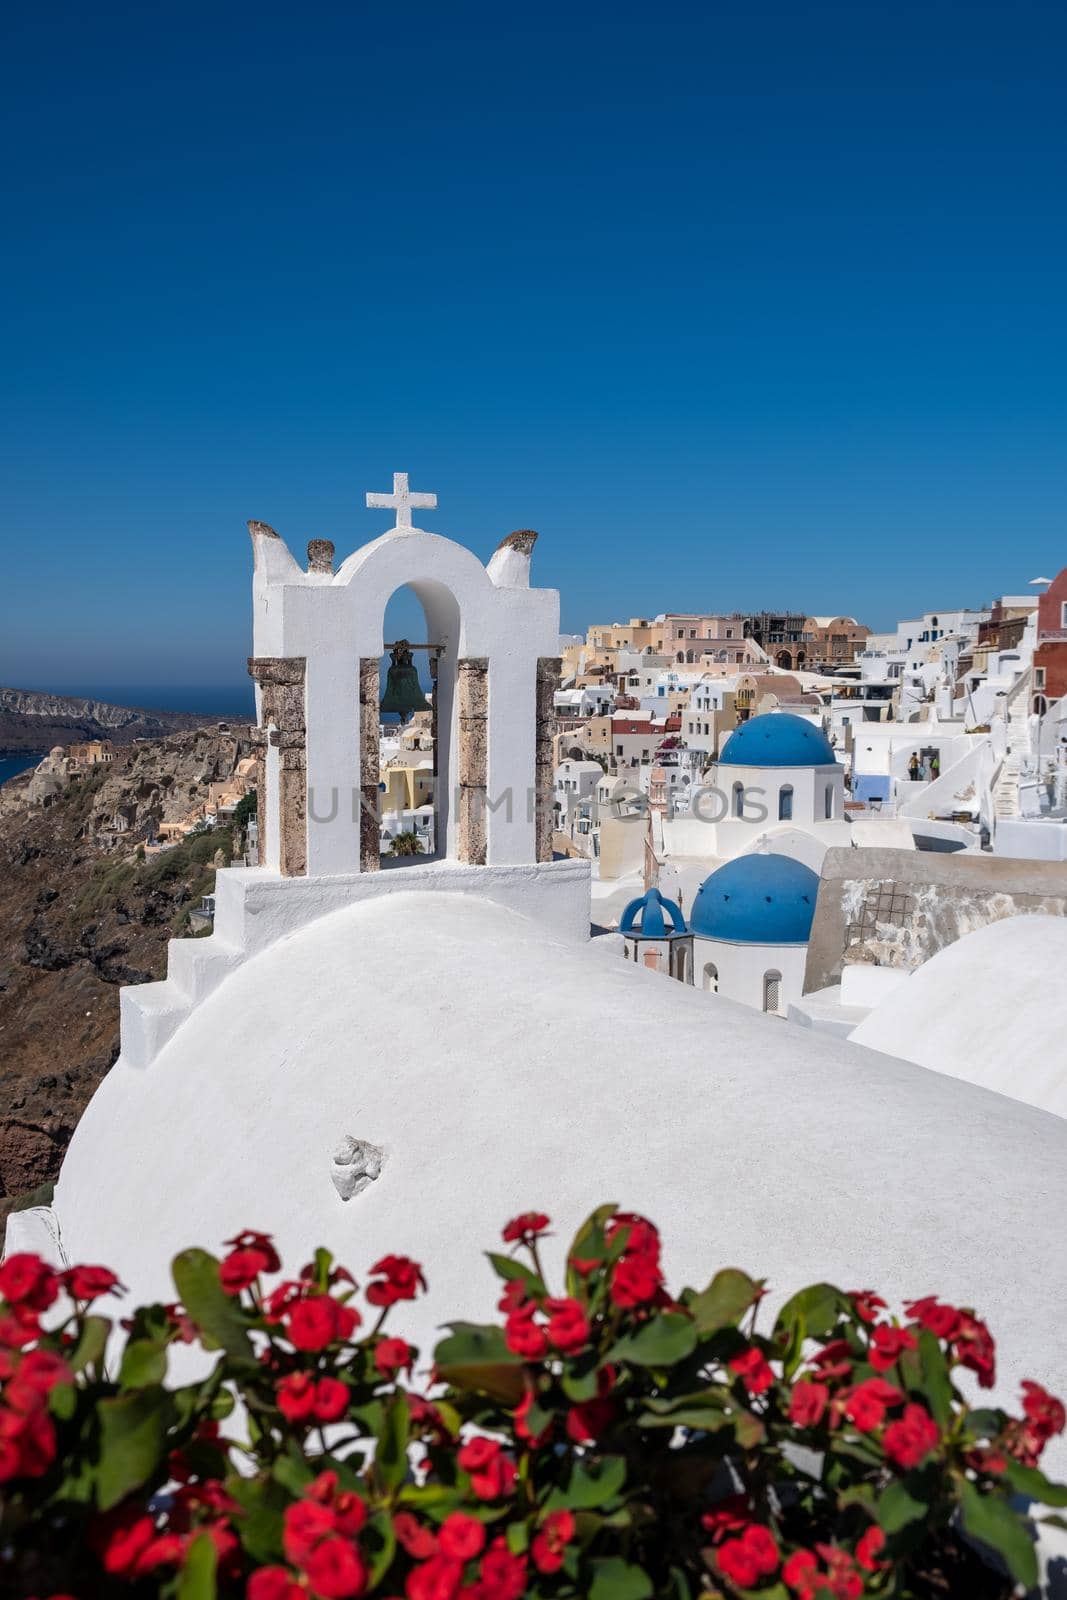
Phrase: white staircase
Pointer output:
(1019, 751)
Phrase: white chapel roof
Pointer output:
(749, 1141)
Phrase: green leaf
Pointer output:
(724, 1302)
(144, 1361)
(217, 1315)
(263, 1501)
(985, 1423)
(992, 1522)
(477, 1358)
(581, 1381)
(1032, 1481)
(378, 1542)
(590, 1485)
(819, 1306)
(615, 1579)
(292, 1470)
(935, 1383)
(133, 1439)
(897, 1508)
(511, 1271)
(391, 1458)
(89, 1351)
(197, 1581)
(660, 1342)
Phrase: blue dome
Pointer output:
(757, 899)
(650, 908)
(777, 739)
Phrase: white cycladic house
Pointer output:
(750, 923)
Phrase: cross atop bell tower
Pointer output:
(403, 499)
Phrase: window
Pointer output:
(729, 633)
(1039, 677)
(739, 799)
(785, 803)
(829, 802)
(772, 991)
(711, 978)
(618, 749)
(1063, 615)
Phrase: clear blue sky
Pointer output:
(738, 305)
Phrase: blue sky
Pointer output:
(739, 306)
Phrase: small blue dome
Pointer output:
(777, 739)
(757, 899)
(650, 908)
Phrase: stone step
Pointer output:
(149, 1015)
(197, 966)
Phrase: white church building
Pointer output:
(400, 1058)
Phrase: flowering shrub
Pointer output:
(610, 1440)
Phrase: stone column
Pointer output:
(283, 723)
(548, 676)
(472, 703)
(369, 765)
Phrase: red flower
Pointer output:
(586, 1422)
(29, 1282)
(799, 1574)
(87, 1283)
(841, 1578)
(27, 1439)
(727, 1516)
(331, 1400)
(551, 1541)
(1042, 1409)
(526, 1228)
(642, 1236)
(296, 1397)
(751, 1557)
(503, 1574)
(834, 1360)
(120, 1538)
(492, 1472)
(523, 1335)
(461, 1537)
(437, 1579)
(41, 1370)
(522, 1427)
(317, 1321)
(910, 1439)
(888, 1345)
(335, 1571)
(306, 1524)
(754, 1370)
(942, 1321)
(417, 1540)
(975, 1349)
(568, 1329)
(635, 1280)
(392, 1356)
(401, 1279)
(807, 1403)
(867, 1304)
(869, 1548)
(274, 1583)
(865, 1405)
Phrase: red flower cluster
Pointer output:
(910, 1439)
(396, 1278)
(747, 1559)
(319, 1539)
(303, 1398)
(565, 1328)
(129, 1544)
(250, 1255)
(27, 1433)
(637, 1277)
(1043, 1418)
(525, 1229)
(754, 1370)
(492, 1472)
(971, 1342)
(444, 1557)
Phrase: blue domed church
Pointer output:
(777, 768)
(750, 925)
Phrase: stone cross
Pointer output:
(403, 500)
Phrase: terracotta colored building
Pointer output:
(1050, 657)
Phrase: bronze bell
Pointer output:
(404, 693)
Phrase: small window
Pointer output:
(1039, 677)
(829, 802)
(739, 799)
(711, 978)
(1063, 615)
(785, 803)
(772, 991)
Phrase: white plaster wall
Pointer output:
(752, 1142)
(743, 967)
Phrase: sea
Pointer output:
(221, 700)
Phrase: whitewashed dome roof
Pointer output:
(469, 1045)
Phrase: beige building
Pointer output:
(829, 641)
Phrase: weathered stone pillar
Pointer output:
(283, 723)
(472, 702)
(369, 765)
(548, 676)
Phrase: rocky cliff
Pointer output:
(83, 910)
(31, 719)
